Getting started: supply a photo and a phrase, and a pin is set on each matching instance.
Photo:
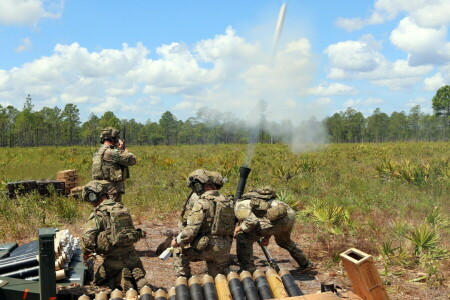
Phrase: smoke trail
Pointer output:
(278, 29)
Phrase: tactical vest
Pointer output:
(220, 221)
(108, 169)
(97, 165)
(119, 231)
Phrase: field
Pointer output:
(390, 200)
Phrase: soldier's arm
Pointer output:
(247, 220)
(249, 223)
(120, 157)
(194, 222)
(90, 233)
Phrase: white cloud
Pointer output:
(434, 82)
(361, 60)
(360, 102)
(426, 13)
(332, 89)
(25, 44)
(324, 101)
(29, 12)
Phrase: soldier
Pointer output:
(110, 233)
(111, 162)
(260, 216)
(207, 230)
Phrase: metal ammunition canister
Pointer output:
(101, 296)
(131, 294)
(172, 294)
(275, 283)
(160, 295)
(223, 292)
(195, 288)
(182, 289)
(262, 285)
(250, 289)
(84, 297)
(290, 284)
(146, 293)
(209, 289)
(116, 295)
(236, 287)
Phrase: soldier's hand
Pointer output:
(174, 243)
(121, 145)
(265, 241)
(236, 230)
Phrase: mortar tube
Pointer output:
(160, 295)
(251, 292)
(181, 288)
(101, 296)
(276, 284)
(172, 294)
(209, 289)
(262, 285)
(236, 287)
(244, 171)
(290, 284)
(223, 292)
(116, 295)
(131, 294)
(84, 297)
(146, 293)
(195, 288)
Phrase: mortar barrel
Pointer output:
(84, 297)
(290, 284)
(195, 288)
(262, 285)
(223, 292)
(146, 293)
(101, 296)
(236, 287)
(116, 295)
(131, 294)
(182, 289)
(276, 284)
(160, 295)
(209, 289)
(251, 292)
(172, 294)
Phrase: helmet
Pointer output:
(109, 133)
(214, 178)
(94, 190)
(265, 193)
(197, 180)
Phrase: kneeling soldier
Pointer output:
(206, 233)
(260, 216)
(110, 233)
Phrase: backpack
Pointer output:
(223, 221)
(121, 231)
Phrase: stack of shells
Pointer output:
(244, 286)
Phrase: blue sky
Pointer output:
(140, 58)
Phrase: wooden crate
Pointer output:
(364, 275)
(66, 174)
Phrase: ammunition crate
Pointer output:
(66, 174)
(20, 187)
(46, 187)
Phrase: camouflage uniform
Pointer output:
(111, 164)
(203, 245)
(118, 261)
(260, 215)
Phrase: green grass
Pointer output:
(365, 194)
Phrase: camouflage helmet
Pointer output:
(94, 190)
(214, 178)
(109, 133)
(199, 175)
(265, 193)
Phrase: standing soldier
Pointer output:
(110, 233)
(260, 216)
(206, 234)
(111, 163)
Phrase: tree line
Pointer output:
(63, 127)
